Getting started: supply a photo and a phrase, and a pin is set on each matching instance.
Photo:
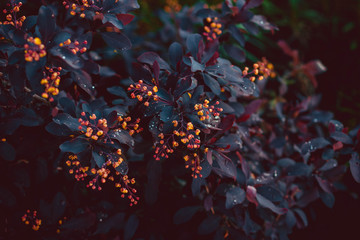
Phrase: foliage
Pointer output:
(84, 95)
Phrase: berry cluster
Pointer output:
(31, 219)
(11, 18)
(143, 91)
(262, 69)
(78, 7)
(34, 49)
(74, 163)
(206, 111)
(192, 161)
(212, 29)
(59, 223)
(98, 129)
(107, 172)
(172, 6)
(185, 133)
(75, 46)
(51, 81)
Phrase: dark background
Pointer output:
(328, 30)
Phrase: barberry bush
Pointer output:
(114, 126)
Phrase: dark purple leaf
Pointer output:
(76, 145)
(68, 57)
(263, 23)
(313, 145)
(46, 23)
(122, 136)
(209, 224)
(58, 130)
(34, 72)
(99, 159)
(196, 185)
(270, 193)
(156, 71)
(253, 3)
(330, 164)
(302, 216)
(123, 168)
(235, 52)
(209, 157)
(253, 106)
(114, 222)
(67, 120)
(268, 204)
(67, 105)
(250, 226)
(244, 166)
(299, 169)
(290, 219)
(154, 177)
(182, 86)
(327, 198)
(251, 194)
(125, 18)
(208, 203)
(7, 151)
(341, 137)
(113, 20)
(317, 116)
(308, 197)
(151, 57)
(116, 40)
(234, 196)
(195, 65)
(212, 83)
(328, 154)
(192, 43)
(7, 198)
(315, 67)
(206, 169)
(324, 184)
(117, 91)
(236, 33)
(29, 23)
(17, 36)
(58, 207)
(122, 6)
(355, 166)
(183, 215)
(175, 54)
(81, 222)
(285, 162)
(84, 81)
(227, 167)
(130, 227)
(166, 113)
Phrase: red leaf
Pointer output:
(209, 157)
(338, 145)
(251, 195)
(125, 18)
(288, 51)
